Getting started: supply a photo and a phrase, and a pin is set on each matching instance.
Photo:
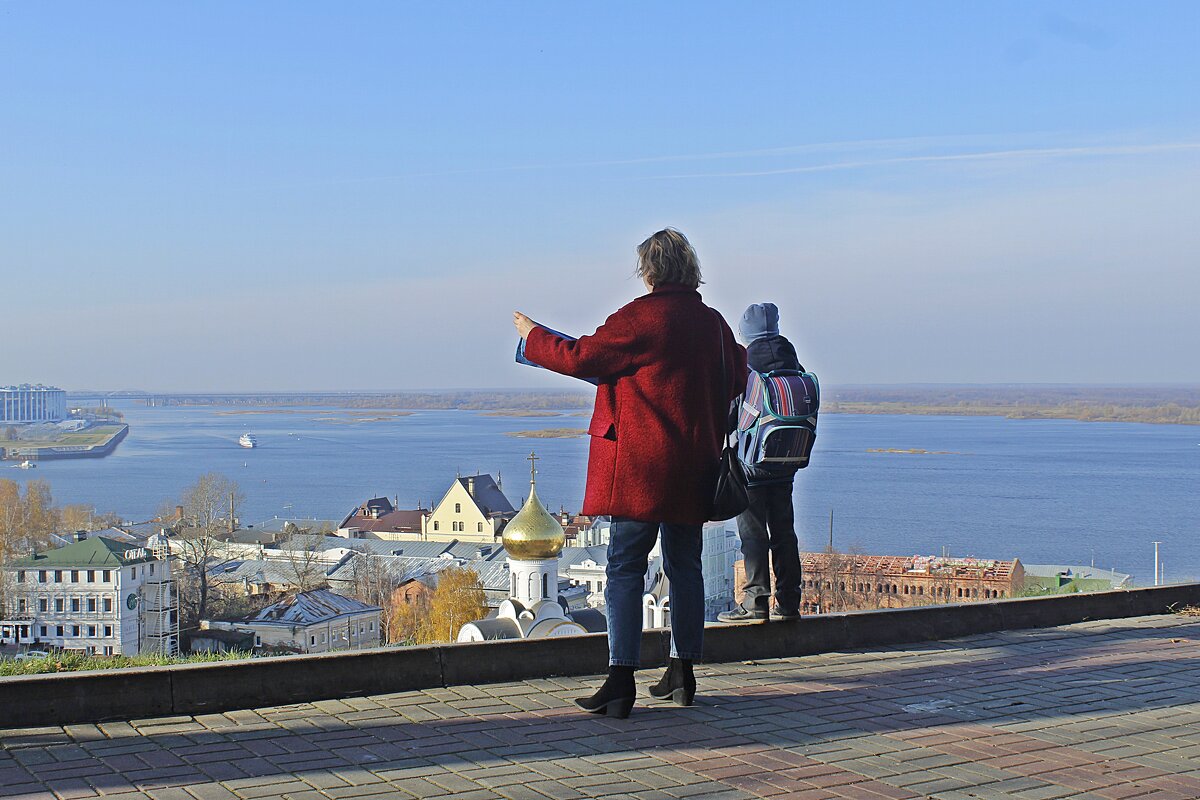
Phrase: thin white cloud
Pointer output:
(989, 155)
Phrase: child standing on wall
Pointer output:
(767, 527)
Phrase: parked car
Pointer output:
(30, 654)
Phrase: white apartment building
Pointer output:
(99, 596)
(26, 403)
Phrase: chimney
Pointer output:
(178, 513)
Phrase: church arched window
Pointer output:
(545, 585)
(458, 508)
(435, 524)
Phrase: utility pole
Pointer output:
(831, 530)
(232, 525)
(1156, 571)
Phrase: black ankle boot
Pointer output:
(678, 683)
(615, 697)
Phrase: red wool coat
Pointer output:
(661, 408)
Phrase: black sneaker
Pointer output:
(740, 614)
(781, 615)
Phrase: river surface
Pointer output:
(1044, 491)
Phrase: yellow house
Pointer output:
(473, 510)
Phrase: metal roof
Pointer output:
(310, 608)
(98, 551)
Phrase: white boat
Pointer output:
(248, 440)
(27, 464)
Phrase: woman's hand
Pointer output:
(522, 323)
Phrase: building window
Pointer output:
(91, 576)
(92, 631)
(91, 605)
(108, 651)
(20, 576)
(545, 585)
(479, 527)
(58, 576)
(107, 630)
(75, 630)
(107, 576)
(43, 631)
(108, 604)
(41, 576)
(371, 626)
(312, 640)
(58, 631)
(75, 604)
(323, 638)
(151, 569)
(43, 604)
(74, 576)
(257, 640)
(435, 524)
(58, 605)
(22, 605)
(133, 572)
(458, 508)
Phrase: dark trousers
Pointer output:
(768, 532)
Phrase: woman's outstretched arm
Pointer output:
(611, 350)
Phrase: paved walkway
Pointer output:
(1105, 709)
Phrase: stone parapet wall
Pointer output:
(206, 688)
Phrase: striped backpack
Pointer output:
(777, 423)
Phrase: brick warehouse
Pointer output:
(852, 582)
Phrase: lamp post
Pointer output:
(1156, 573)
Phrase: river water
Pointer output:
(1044, 491)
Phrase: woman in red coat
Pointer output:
(656, 435)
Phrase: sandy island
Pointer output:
(549, 433)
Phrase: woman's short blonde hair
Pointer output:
(668, 257)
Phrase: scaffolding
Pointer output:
(159, 604)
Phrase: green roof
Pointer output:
(90, 553)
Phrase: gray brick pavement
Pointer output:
(1108, 709)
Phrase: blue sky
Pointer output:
(231, 196)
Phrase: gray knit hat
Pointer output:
(759, 320)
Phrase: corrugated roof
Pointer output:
(98, 551)
(310, 608)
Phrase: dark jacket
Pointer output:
(660, 405)
(767, 354)
(771, 353)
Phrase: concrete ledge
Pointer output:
(74, 697)
(255, 683)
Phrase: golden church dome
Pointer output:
(533, 535)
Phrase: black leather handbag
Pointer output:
(729, 496)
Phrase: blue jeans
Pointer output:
(629, 545)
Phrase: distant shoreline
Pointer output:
(1166, 405)
(1157, 415)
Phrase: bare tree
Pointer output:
(209, 508)
(302, 551)
(373, 583)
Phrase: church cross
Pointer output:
(532, 466)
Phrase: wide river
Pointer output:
(1044, 491)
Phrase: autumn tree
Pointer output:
(457, 600)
